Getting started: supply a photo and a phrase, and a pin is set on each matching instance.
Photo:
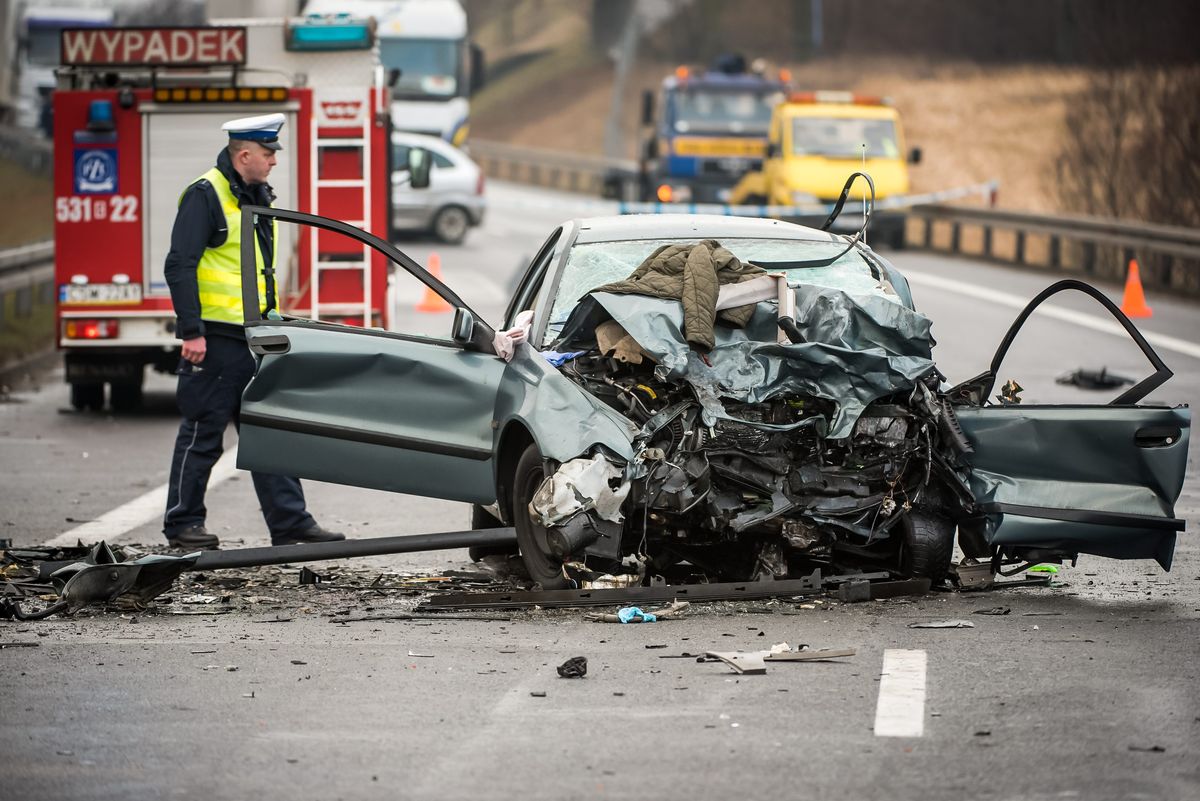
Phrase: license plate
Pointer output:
(100, 294)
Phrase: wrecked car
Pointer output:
(784, 410)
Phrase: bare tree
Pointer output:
(1128, 147)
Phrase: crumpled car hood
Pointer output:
(858, 348)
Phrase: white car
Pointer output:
(454, 200)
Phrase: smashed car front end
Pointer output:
(759, 457)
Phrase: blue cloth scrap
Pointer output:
(559, 359)
(632, 614)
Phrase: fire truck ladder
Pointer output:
(340, 261)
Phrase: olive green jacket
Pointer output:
(693, 275)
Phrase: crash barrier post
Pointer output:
(1094, 248)
(26, 304)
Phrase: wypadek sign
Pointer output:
(167, 47)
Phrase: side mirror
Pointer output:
(419, 162)
(477, 70)
(464, 326)
(647, 107)
(772, 150)
(393, 77)
(914, 156)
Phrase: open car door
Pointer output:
(367, 407)
(1055, 481)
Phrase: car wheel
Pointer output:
(482, 518)
(451, 224)
(928, 546)
(126, 397)
(543, 568)
(87, 396)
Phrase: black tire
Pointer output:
(87, 396)
(450, 224)
(928, 546)
(125, 397)
(543, 567)
(482, 518)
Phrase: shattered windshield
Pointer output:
(592, 265)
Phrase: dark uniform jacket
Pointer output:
(200, 224)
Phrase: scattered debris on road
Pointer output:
(64, 581)
(573, 668)
(942, 624)
(1093, 379)
(755, 662)
(634, 614)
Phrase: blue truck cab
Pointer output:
(712, 129)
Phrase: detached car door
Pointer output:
(1061, 480)
(388, 410)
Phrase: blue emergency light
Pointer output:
(330, 32)
(100, 116)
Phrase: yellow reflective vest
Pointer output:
(219, 272)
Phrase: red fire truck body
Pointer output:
(137, 117)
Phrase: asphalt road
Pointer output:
(1087, 689)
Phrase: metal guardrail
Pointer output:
(1092, 247)
(26, 304)
(555, 169)
(27, 149)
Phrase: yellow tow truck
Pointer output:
(816, 140)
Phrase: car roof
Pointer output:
(692, 226)
(435, 143)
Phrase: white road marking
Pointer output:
(139, 511)
(901, 708)
(1105, 325)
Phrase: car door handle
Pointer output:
(1157, 436)
(275, 343)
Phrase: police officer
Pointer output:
(203, 270)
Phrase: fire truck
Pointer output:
(137, 117)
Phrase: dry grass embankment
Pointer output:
(27, 208)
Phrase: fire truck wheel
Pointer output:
(126, 397)
(87, 396)
(451, 224)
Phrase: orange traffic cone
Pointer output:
(432, 301)
(1134, 302)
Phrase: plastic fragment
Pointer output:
(633, 614)
(573, 668)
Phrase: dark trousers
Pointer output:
(210, 397)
